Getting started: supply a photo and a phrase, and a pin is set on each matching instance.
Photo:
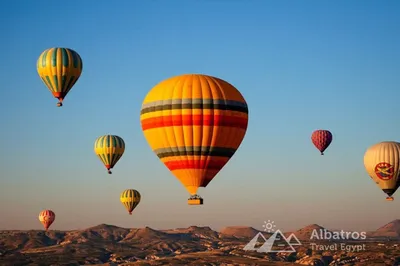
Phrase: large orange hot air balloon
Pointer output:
(47, 217)
(194, 123)
(321, 139)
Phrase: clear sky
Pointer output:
(301, 65)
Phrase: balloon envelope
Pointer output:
(59, 69)
(109, 149)
(382, 163)
(194, 123)
(130, 198)
(321, 139)
(47, 217)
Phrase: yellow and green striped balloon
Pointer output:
(109, 148)
(59, 69)
(130, 198)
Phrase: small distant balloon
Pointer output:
(59, 69)
(321, 139)
(382, 163)
(47, 217)
(130, 198)
(109, 149)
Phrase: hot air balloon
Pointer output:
(59, 68)
(47, 217)
(321, 139)
(130, 198)
(109, 148)
(382, 163)
(194, 123)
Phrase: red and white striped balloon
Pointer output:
(47, 217)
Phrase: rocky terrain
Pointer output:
(111, 245)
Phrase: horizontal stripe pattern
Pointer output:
(195, 151)
(212, 164)
(195, 120)
(194, 123)
(59, 69)
(174, 104)
(109, 149)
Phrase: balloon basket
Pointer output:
(195, 200)
(389, 198)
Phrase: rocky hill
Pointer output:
(181, 246)
(305, 233)
(390, 230)
(238, 232)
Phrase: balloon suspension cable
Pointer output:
(60, 100)
(195, 196)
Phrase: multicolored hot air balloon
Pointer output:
(60, 69)
(47, 217)
(194, 123)
(130, 198)
(382, 163)
(321, 139)
(109, 148)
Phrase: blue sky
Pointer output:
(301, 65)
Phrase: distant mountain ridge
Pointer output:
(306, 232)
(239, 231)
(109, 243)
(389, 230)
(115, 233)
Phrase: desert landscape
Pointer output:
(111, 245)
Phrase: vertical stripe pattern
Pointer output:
(47, 217)
(109, 149)
(59, 69)
(194, 123)
(130, 198)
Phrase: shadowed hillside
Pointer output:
(182, 246)
(391, 230)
